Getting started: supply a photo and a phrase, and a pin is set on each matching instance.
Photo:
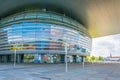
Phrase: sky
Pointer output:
(104, 46)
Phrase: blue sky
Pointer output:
(103, 46)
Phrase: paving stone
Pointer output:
(96, 79)
(57, 72)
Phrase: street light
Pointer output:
(15, 57)
(83, 62)
(15, 50)
(66, 56)
(65, 48)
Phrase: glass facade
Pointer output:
(43, 32)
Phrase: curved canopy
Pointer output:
(100, 17)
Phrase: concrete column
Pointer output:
(5, 58)
(12, 58)
(18, 58)
(42, 58)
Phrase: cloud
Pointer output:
(103, 46)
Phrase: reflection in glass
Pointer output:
(33, 34)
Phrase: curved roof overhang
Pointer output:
(100, 17)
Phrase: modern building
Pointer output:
(37, 30)
(43, 34)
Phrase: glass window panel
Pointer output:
(11, 19)
(56, 17)
(20, 16)
(43, 15)
(30, 15)
(66, 20)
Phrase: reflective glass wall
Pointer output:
(43, 31)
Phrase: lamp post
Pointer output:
(66, 57)
(83, 62)
(65, 44)
(15, 57)
(15, 50)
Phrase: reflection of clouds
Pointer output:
(19, 38)
(105, 45)
(28, 39)
(14, 36)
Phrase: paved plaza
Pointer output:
(109, 71)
